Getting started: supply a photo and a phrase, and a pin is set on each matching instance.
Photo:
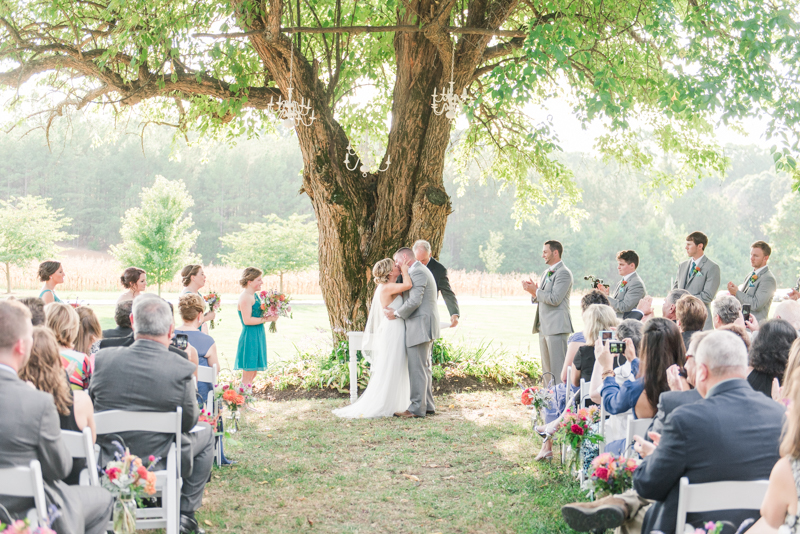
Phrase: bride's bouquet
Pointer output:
(275, 304)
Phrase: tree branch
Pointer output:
(368, 29)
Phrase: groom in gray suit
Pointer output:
(628, 291)
(699, 275)
(421, 314)
(552, 322)
(760, 285)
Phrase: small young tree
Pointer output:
(491, 256)
(156, 236)
(276, 246)
(782, 231)
(29, 230)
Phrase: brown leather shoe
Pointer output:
(602, 514)
(406, 414)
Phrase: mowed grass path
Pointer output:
(468, 469)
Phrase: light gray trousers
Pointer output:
(197, 459)
(419, 375)
(553, 350)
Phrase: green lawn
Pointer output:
(468, 469)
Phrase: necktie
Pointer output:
(749, 282)
(691, 270)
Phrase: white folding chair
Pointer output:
(168, 481)
(714, 496)
(26, 482)
(636, 427)
(210, 375)
(585, 392)
(80, 445)
(602, 445)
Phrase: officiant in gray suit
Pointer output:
(699, 275)
(552, 322)
(630, 289)
(421, 314)
(760, 285)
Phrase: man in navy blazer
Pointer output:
(733, 434)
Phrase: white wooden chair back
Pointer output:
(211, 375)
(26, 482)
(602, 445)
(355, 342)
(585, 392)
(81, 445)
(636, 427)
(168, 481)
(714, 496)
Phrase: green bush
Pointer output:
(438, 372)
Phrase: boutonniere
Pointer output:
(550, 273)
(753, 279)
(623, 284)
(696, 271)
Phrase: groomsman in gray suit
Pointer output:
(552, 321)
(760, 285)
(628, 291)
(699, 275)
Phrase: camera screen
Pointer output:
(180, 341)
(616, 347)
(606, 335)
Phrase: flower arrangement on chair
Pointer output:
(128, 480)
(611, 475)
(234, 397)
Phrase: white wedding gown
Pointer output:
(388, 390)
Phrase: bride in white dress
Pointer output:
(384, 347)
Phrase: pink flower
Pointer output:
(151, 458)
(577, 429)
(601, 473)
(710, 525)
(113, 473)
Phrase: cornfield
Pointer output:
(101, 273)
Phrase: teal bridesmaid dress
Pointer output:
(251, 354)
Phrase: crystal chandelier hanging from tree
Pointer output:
(291, 112)
(369, 162)
(449, 102)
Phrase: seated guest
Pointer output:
(780, 502)
(691, 314)
(89, 331)
(117, 385)
(732, 434)
(191, 308)
(36, 307)
(782, 388)
(668, 309)
(122, 316)
(29, 430)
(135, 281)
(769, 354)
(726, 310)
(789, 310)
(45, 372)
(596, 318)
(64, 322)
(576, 340)
(661, 348)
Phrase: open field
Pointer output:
(469, 469)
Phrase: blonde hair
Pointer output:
(190, 306)
(45, 370)
(790, 440)
(89, 330)
(248, 275)
(792, 363)
(188, 272)
(382, 270)
(64, 322)
(596, 318)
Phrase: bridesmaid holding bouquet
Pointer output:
(251, 354)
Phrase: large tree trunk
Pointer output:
(364, 219)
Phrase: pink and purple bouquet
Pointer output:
(275, 304)
(612, 475)
(24, 527)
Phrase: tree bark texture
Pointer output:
(364, 219)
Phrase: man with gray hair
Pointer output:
(789, 310)
(422, 252)
(732, 434)
(668, 308)
(147, 377)
(727, 310)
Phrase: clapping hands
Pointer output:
(644, 447)
(530, 286)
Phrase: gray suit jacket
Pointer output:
(552, 313)
(420, 310)
(144, 377)
(733, 434)
(703, 285)
(30, 430)
(759, 296)
(625, 299)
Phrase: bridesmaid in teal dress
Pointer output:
(51, 273)
(251, 354)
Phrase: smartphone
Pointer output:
(746, 312)
(180, 341)
(606, 335)
(682, 372)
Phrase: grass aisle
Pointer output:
(468, 469)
